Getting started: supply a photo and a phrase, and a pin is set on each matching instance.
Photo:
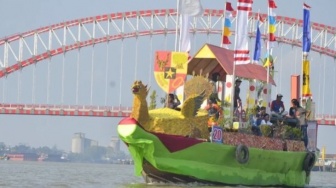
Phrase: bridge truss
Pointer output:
(22, 50)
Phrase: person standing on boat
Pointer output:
(300, 114)
(213, 82)
(237, 100)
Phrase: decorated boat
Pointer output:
(175, 146)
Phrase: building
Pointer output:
(79, 143)
(115, 144)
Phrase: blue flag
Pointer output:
(306, 41)
(257, 49)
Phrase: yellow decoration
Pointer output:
(191, 120)
(305, 79)
(205, 52)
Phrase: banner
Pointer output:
(257, 47)
(241, 52)
(170, 69)
(184, 34)
(306, 79)
(271, 20)
(306, 42)
(191, 7)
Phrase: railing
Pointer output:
(65, 110)
(100, 111)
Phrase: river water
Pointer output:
(68, 175)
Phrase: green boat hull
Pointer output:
(213, 163)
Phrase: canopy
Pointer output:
(210, 59)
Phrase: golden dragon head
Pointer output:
(139, 88)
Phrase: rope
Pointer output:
(48, 81)
(19, 86)
(150, 60)
(4, 84)
(280, 82)
(333, 102)
(324, 71)
(92, 59)
(136, 58)
(121, 68)
(33, 88)
(77, 76)
(319, 92)
(62, 95)
(106, 70)
(177, 22)
(296, 54)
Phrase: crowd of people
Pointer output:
(296, 117)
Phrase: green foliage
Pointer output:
(152, 102)
(246, 130)
(266, 130)
(225, 103)
(291, 133)
(226, 122)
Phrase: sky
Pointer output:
(19, 16)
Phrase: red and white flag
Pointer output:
(241, 53)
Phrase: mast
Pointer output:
(177, 22)
(271, 38)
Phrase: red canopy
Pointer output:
(210, 59)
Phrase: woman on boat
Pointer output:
(300, 114)
(173, 102)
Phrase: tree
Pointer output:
(152, 103)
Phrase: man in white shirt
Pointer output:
(266, 121)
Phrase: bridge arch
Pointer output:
(60, 38)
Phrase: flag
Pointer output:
(257, 48)
(241, 52)
(268, 60)
(271, 20)
(190, 7)
(170, 69)
(227, 24)
(305, 79)
(271, 4)
(184, 34)
(306, 42)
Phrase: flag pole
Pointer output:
(177, 22)
(234, 67)
(267, 63)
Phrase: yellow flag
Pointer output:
(227, 32)
(267, 63)
(306, 79)
(323, 153)
(272, 29)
